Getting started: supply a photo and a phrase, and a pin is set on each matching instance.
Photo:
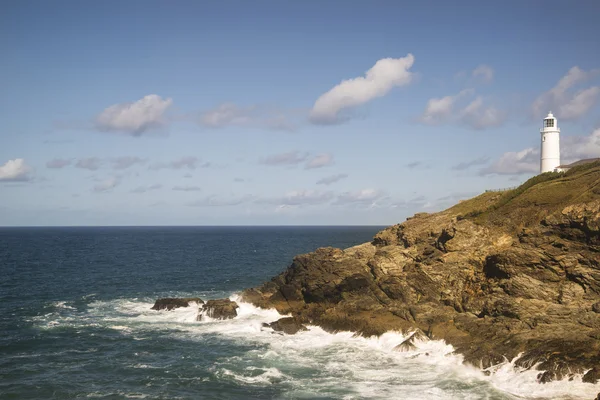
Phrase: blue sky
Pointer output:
(270, 112)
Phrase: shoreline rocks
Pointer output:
(287, 325)
(218, 309)
(171, 303)
(493, 292)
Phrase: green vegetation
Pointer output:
(529, 203)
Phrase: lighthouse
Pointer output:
(550, 154)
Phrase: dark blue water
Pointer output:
(75, 322)
(52, 346)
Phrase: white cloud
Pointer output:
(440, 110)
(289, 158)
(361, 197)
(58, 163)
(15, 171)
(189, 162)
(106, 184)
(483, 73)
(144, 189)
(90, 163)
(478, 116)
(187, 188)
(126, 162)
(319, 161)
(230, 114)
(574, 148)
(513, 163)
(564, 100)
(386, 74)
(475, 114)
(328, 180)
(134, 118)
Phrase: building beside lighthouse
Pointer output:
(550, 148)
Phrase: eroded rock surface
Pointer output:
(288, 325)
(218, 309)
(172, 303)
(490, 291)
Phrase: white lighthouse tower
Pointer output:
(550, 154)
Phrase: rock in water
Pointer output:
(218, 309)
(592, 376)
(289, 325)
(409, 344)
(172, 303)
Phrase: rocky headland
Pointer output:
(503, 275)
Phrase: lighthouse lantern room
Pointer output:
(550, 154)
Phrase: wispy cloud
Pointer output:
(216, 201)
(144, 189)
(58, 163)
(440, 110)
(362, 197)
(471, 163)
(187, 188)
(300, 198)
(230, 114)
(320, 161)
(135, 118)
(189, 162)
(90, 163)
(328, 180)
(125, 162)
(565, 100)
(386, 74)
(106, 185)
(289, 158)
(483, 73)
(514, 163)
(476, 114)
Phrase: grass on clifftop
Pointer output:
(533, 200)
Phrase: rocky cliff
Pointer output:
(503, 275)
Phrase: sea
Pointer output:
(75, 322)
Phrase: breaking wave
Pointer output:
(310, 364)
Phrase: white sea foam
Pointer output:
(315, 363)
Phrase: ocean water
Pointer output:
(75, 322)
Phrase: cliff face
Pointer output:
(497, 276)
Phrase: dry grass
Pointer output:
(532, 201)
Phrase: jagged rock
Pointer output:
(172, 303)
(289, 325)
(592, 376)
(499, 276)
(218, 309)
(598, 397)
(409, 343)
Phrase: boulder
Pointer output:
(218, 309)
(592, 376)
(171, 303)
(289, 325)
